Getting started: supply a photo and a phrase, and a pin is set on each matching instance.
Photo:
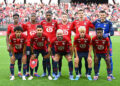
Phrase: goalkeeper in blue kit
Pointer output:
(102, 22)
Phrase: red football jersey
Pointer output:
(82, 44)
(86, 23)
(39, 43)
(18, 43)
(49, 28)
(11, 27)
(101, 46)
(66, 29)
(31, 31)
(61, 46)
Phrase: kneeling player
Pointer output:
(83, 48)
(63, 47)
(101, 49)
(18, 48)
(38, 45)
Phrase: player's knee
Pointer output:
(69, 59)
(12, 60)
(95, 61)
(107, 60)
(76, 60)
(56, 59)
(76, 63)
(90, 61)
(24, 60)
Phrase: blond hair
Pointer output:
(82, 28)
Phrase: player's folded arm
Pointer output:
(111, 29)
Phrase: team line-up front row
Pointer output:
(61, 46)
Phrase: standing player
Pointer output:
(101, 48)
(18, 48)
(82, 22)
(108, 31)
(31, 25)
(10, 30)
(66, 27)
(38, 45)
(49, 27)
(83, 48)
(63, 47)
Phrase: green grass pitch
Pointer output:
(63, 80)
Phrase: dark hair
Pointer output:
(16, 14)
(102, 11)
(33, 14)
(64, 14)
(49, 11)
(39, 26)
(18, 28)
(76, 13)
(80, 10)
(99, 29)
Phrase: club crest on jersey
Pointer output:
(103, 42)
(85, 23)
(85, 41)
(42, 39)
(68, 26)
(63, 43)
(52, 24)
(21, 41)
(104, 25)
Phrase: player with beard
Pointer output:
(49, 27)
(38, 46)
(63, 47)
(31, 25)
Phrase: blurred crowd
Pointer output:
(91, 11)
